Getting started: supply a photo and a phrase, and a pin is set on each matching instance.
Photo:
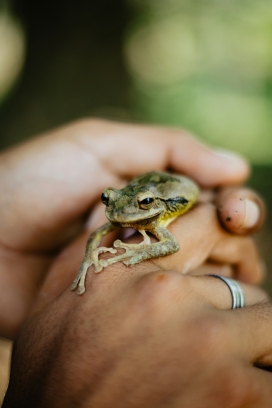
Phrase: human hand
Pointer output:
(147, 336)
(50, 184)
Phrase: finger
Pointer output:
(197, 232)
(63, 173)
(240, 252)
(161, 148)
(207, 196)
(251, 331)
(202, 238)
(217, 292)
(240, 210)
(233, 384)
(215, 269)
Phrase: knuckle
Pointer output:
(252, 391)
(161, 291)
(243, 390)
(233, 388)
(215, 337)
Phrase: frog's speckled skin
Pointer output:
(148, 203)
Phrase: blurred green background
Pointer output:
(204, 65)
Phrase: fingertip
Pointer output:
(241, 211)
(236, 164)
(231, 212)
(211, 168)
(236, 168)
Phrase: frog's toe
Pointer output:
(75, 282)
(81, 289)
(74, 285)
(117, 243)
(131, 261)
(79, 281)
(99, 267)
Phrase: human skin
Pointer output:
(51, 184)
(48, 187)
(146, 336)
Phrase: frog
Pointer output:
(149, 203)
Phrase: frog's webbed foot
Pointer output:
(145, 250)
(79, 281)
(98, 264)
(131, 251)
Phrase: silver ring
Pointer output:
(237, 293)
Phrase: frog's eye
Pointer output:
(146, 202)
(105, 199)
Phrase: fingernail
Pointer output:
(236, 164)
(252, 214)
(228, 155)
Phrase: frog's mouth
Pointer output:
(135, 219)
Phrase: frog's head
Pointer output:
(131, 206)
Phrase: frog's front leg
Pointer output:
(91, 256)
(145, 250)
